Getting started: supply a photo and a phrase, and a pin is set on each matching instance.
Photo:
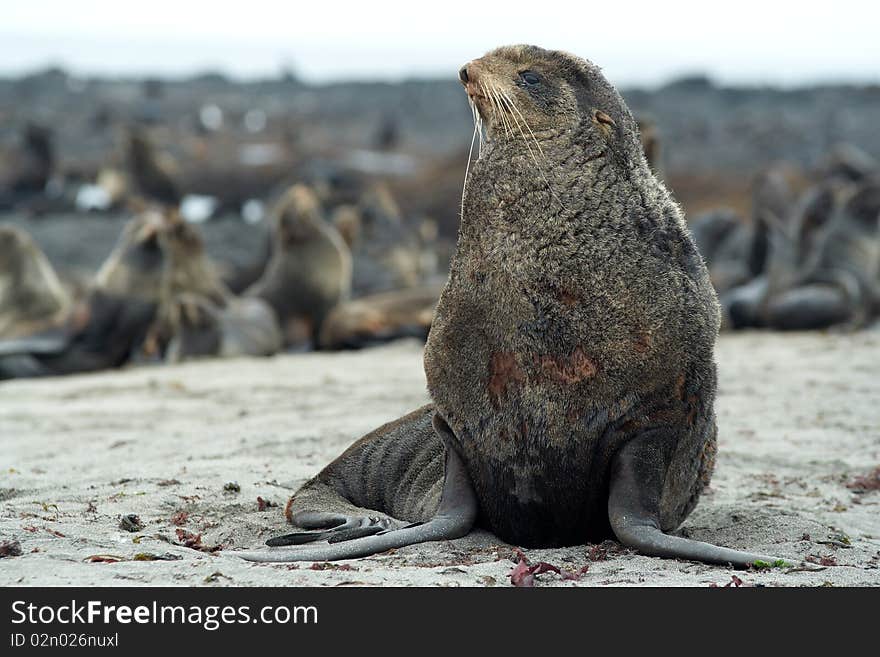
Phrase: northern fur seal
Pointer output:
(381, 317)
(309, 271)
(102, 331)
(832, 275)
(240, 326)
(385, 251)
(161, 259)
(153, 175)
(823, 263)
(570, 361)
(29, 167)
(32, 297)
(244, 326)
(45, 332)
(789, 237)
(737, 253)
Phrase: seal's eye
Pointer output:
(530, 77)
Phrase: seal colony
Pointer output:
(570, 361)
(161, 258)
(48, 330)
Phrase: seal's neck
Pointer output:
(555, 176)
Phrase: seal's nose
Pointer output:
(463, 74)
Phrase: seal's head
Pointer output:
(192, 272)
(523, 92)
(158, 256)
(298, 215)
(137, 265)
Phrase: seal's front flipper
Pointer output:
(634, 511)
(454, 518)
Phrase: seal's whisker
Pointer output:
(508, 129)
(479, 120)
(490, 98)
(497, 110)
(535, 160)
(526, 142)
(478, 126)
(482, 133)
(467, 168)
(501, 101)
(494, 102)
(478, 129)
(526, 123)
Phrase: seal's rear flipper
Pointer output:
(634, 511)
(346, 540)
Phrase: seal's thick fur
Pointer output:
(570, 360)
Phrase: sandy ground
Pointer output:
(799, 419)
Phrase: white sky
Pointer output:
(634, 42)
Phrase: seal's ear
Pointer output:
(606, 123)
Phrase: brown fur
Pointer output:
(31, 295)
(578, 317)
(378, 317)
(309, 271)
(385, 252)
(576, 281)
(46, 332)
(161, 259)
(154, 176)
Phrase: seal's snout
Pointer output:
(470, 79)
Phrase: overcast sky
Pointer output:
(634, 42)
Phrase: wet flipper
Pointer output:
(634, 511)
(454, 518)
